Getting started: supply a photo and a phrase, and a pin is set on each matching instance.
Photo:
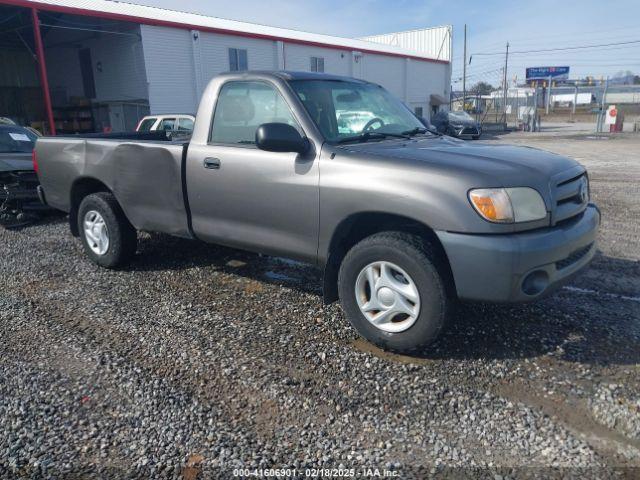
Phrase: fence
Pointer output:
(586, 104)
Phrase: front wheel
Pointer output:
(393, 290)
(107, 236)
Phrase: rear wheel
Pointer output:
(107, 236)
(394, 292)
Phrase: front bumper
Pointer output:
(466, 131)
(523, 266)
(19, 198)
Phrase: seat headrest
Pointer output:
(237, 109)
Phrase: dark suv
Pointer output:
(457, 124)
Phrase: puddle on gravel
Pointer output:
(271, 275)
(588, 291)
(366, 347)
(596, 137)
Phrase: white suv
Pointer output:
(173, 123)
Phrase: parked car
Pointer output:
(19, 202)
(402, 221)
(457, 124)
(170, 122)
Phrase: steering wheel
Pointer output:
(373, 121)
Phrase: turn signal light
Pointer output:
(492, 204)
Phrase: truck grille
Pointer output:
(574, 257)
(571, 197)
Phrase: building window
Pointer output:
(317, 64)
(419, 112)
(238, 59)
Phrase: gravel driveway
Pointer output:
(197, 360)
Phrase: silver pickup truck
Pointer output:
(337, 172)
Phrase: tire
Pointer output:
(121, 237)
(401, 254)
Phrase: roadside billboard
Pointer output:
(543, 73)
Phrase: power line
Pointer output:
(558, 49)
(543, 42)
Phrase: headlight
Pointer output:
(508, 205)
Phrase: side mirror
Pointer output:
(281, 137)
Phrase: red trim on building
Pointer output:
(42, 69)
(168, 23)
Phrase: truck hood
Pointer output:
(465, 123)
(508, 164)
(13, 162)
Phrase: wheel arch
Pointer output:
(81, 188)
(357, 227)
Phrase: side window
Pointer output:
(166, 124)
(317, 64)
(238, 60)
(185, 125)
(242, 107)
(146, 124)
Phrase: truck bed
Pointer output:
(144, 175)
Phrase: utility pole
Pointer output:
(464, 69)
(548, 95)
(603, 106)
(506, 86)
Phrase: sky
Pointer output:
(526, 25)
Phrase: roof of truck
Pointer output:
(288, 75)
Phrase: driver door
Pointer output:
(249, 198)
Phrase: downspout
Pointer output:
(42, 69)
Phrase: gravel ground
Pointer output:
(197, 360)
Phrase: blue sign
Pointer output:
(543, 73)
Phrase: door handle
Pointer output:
(212, 163)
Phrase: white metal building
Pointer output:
(116, 61)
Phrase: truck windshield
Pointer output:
(460, 115)
(343, 110)
(146, 124)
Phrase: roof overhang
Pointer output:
(438, 100)
(129, 12)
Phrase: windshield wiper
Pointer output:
(419, 130)
(363, 137)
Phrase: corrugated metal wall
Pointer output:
(199, 21)
(169, 63)
(435, 42)
(425, 79)
(261, 54)
(179, 64)
(298, 58)
(386, 71)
